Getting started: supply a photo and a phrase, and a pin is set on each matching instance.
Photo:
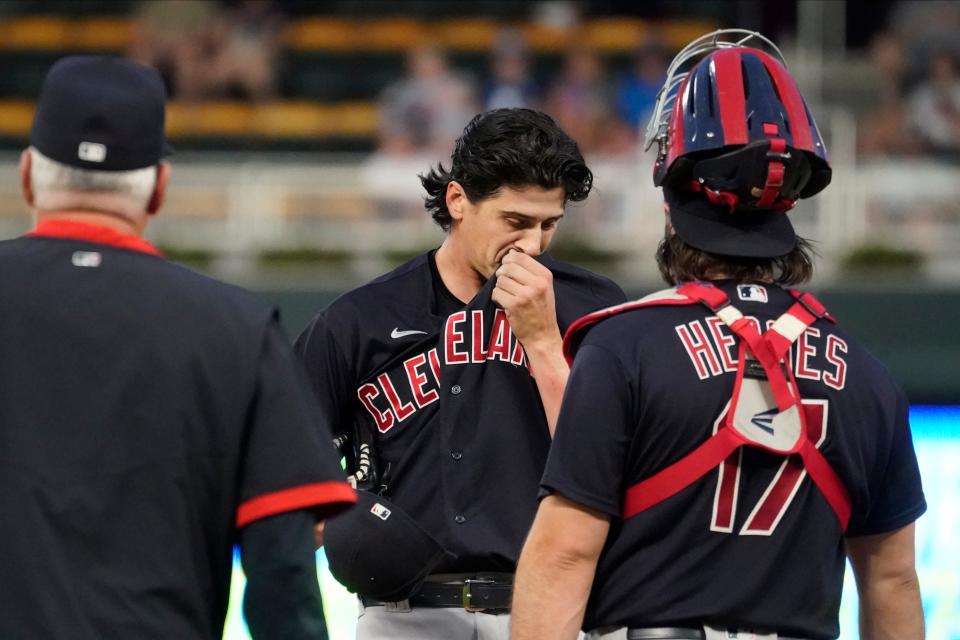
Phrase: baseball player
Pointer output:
(724, 445)
(151, 417)
(449, 373)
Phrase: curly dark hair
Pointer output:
(508, 147)
(680, 262)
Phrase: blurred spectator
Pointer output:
(249, 45)
(580, 101)
(888, 56)
(511, 84)
(637, 91)
(886, 131)
(926, 27)
(207, 52)
(172, 35)
(427, 110)
(935, 106)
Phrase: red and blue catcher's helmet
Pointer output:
(731, 124)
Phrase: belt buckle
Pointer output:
(466, 594)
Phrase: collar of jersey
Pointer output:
(95, 233)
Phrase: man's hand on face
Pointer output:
(525, 292)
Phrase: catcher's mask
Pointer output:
(732, 127)
(377, 550)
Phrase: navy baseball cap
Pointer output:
(101, 112)
(379, 551)
(714, 229)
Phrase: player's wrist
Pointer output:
(549, 345)
(546, 353)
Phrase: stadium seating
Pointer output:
(333, 69)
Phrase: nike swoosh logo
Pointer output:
(396, 333)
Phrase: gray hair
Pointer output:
(60, 187)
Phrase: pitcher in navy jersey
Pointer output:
(723, 446)
(447, 375)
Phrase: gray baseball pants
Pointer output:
(710, 633)
(431, 623)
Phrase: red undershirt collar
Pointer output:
(95, 233)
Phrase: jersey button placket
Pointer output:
(457, 454)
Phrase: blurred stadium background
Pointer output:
(300, 128)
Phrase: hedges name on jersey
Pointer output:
(711, 346)
(460, 431)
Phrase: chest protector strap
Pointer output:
(765, 411)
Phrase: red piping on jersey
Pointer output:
(95, 233)
(733, 103)
(769, 348)
(305, 496)
(572, 335)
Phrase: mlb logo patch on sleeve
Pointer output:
(90, 259)
(752, 292)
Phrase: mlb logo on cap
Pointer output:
(752, 292)
(380, 511)
(92, 152)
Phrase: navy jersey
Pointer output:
(147, 415)
(460, 431)
(751, 545)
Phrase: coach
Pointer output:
(151, 417)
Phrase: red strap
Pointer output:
(714, 298)
(719, 198)
(812, 305)
(684, 472)
(763, 351)
(827, 480)
(783, 205)
(723, 199)
(771, 189)
(780, 344)
(681, 474)
(775, 172)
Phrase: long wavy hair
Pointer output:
(680, 262)
(513, 148)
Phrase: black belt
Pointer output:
(675, 633)
(473, 595)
